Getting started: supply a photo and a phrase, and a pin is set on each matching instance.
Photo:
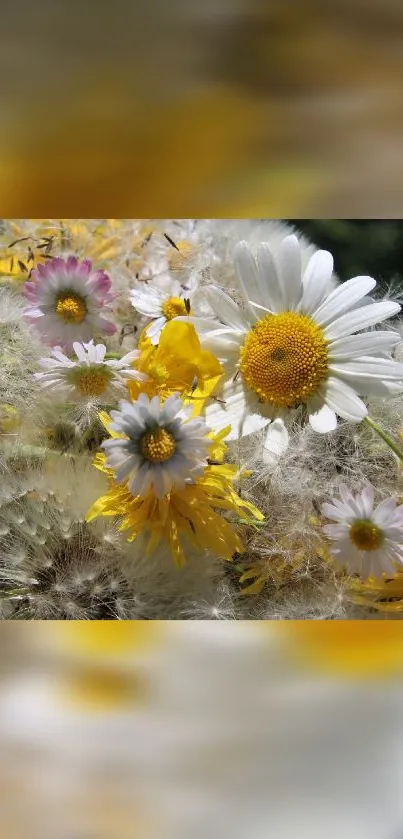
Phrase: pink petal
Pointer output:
(30, 291)
(100, 281)
(72, 263)
(106, 326)
(56, 264)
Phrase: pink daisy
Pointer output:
(67, 301)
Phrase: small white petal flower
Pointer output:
(161, 305)
(89, 375)
(367, 541)
(294, 344)
(163, 449)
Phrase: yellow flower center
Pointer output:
(177, 258)
(158, 372)
(365, 535)
(71, 308)
(158, 446)
(92, 381)
(284, 358)
(173, 307)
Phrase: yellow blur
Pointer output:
(251, 108)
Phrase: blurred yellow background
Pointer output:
(181, 730)
(253, 108)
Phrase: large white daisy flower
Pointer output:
(67, 301)
(368, 542)
(89, 375)
(163, 448)
(294, 345)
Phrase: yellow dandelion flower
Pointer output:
(167, 479)
(385, 595)
(177, 365)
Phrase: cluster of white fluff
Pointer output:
(53, 564)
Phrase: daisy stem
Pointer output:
(36, 451)
(385, 437)
(111, 355)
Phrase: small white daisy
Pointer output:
(89, 376)
(162, 305)
(368, 542)
(163, 449)
(294, 345)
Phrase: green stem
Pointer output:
(385, 437)
(36, 451)
(112, 355)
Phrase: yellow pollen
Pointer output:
(284, 359)
(158, 372)
(92, 381)
(71, 308)
(177, 258)
(158, 446)
(173, 307)
(365, 535)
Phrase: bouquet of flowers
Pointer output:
(197, 420)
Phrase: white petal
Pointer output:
(148, 302)
(342, 399)
(361, 318)
(315, 280)
(247, 273)
(384, 510)
(80, 351)
(62, 358)
(324, 420)
(270, 280)
(367, 497)
(335, 531)
(159, 483)
(154, 330)
(369, 343)
(289, 262)
(339, 513)
(235, 412)
(342, 299)
(225, 309)
(276, 442)
(382, 368)
(100, 352)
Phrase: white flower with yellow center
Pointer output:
(162, 449)
(160, 304)
(367, 541)
(89, 375)
(294, 345)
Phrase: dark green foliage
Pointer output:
(372, 247)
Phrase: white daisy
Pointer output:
(294, 343)
(162, 305)
(367, 542)
(89, 375)
(163, 449)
